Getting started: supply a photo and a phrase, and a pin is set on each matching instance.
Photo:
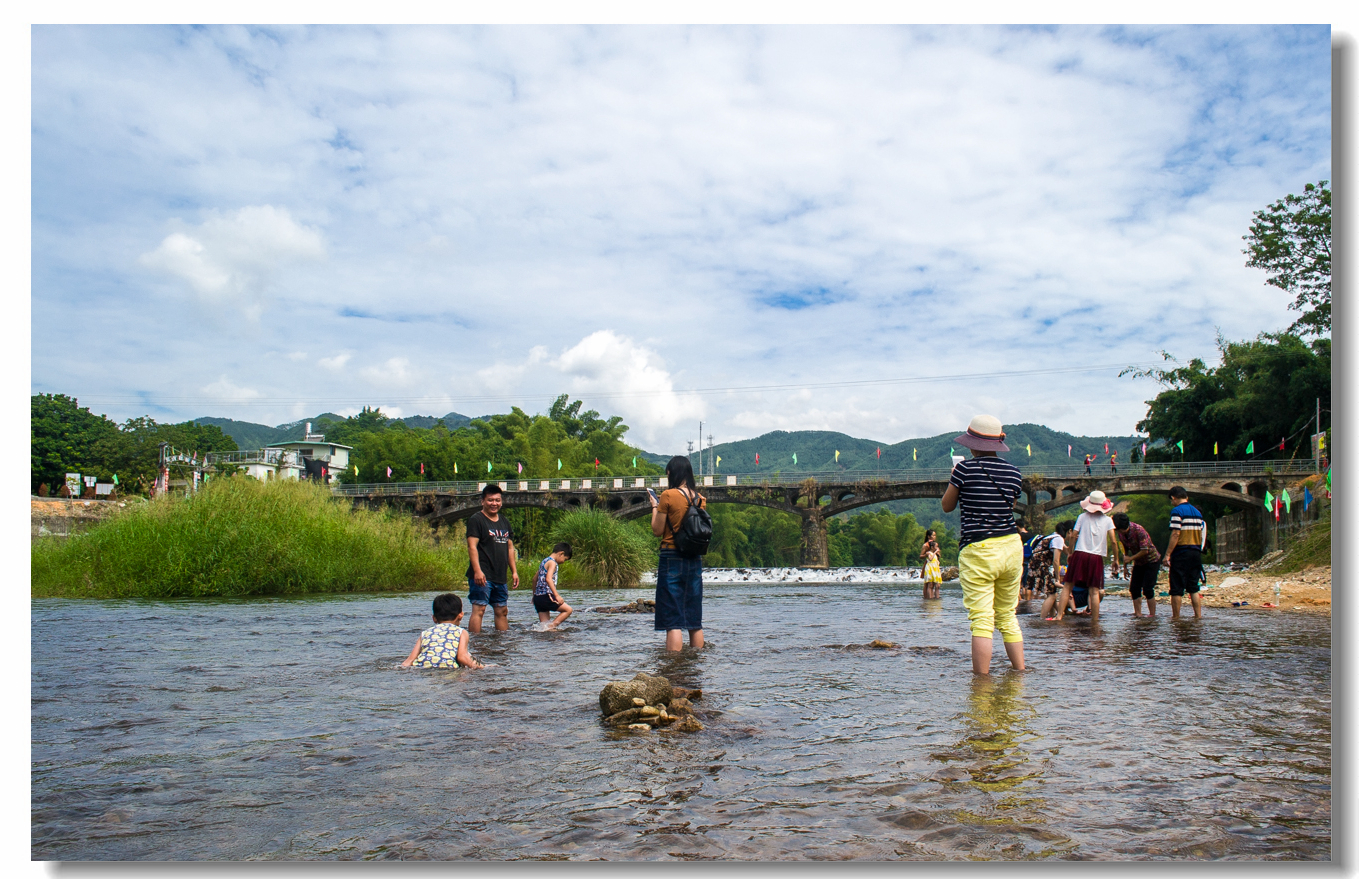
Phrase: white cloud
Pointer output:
(231, 257)
(741, 206)
(225, 391)
(297, 356)
(337, 362)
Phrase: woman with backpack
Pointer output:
(679, 573)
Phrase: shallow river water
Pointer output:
(284, 729)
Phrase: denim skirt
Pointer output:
(679, 592)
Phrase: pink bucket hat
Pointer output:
(1096, 502)
(984, 434)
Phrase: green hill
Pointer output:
(816, 449)
(249, 435)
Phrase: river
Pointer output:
(284, 729)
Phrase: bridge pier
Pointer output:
(815, 541)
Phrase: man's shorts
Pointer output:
(1142, 583)
(545, 604)
(1186, 571)
(1080, 595)
(494, 594)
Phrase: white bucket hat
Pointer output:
(1096, 502)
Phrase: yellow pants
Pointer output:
(989, 571)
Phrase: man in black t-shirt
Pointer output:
(491, 561)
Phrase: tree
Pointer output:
(1291, 239)
(62, 436)
(1263, 391)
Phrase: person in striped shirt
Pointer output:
(1184, 553)
(990, 555)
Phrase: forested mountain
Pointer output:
(249, 435)
(1030, 444)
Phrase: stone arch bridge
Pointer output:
(815, 497)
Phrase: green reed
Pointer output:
(241, 537)
(605, 551)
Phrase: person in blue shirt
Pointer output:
(1184, 553)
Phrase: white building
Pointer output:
(313, 447)
(261, 464)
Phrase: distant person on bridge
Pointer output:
(491, 561)
(1141, 553)
(1084, 580)
(1089, 459)
(932, 573)
(679, 579)
(990, 556)
(1184, 554)
(1113, 463)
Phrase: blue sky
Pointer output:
(264, 223)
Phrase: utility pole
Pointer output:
(1316, 446)
(700, 448)
(712, 465)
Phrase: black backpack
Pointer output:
(695, 531)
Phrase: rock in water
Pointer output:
(640, 726)
(949, 573)
(619, 695)
(882, 645)
(688, 723)
(680, 705)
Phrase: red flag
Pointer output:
(1106, 448)
(1281, 445)
(389, 472)
(1278, 502)
(879, 454)
(422, 468)
(757, 459)
(596, 463)
(1144, 450)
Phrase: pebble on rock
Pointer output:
(645, 726)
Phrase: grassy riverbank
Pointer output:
(239, 537)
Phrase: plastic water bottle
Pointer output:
(1277, 591)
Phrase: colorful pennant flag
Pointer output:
(1029, 447)
(1250, 447)
(1278, 502)
(455, 467)
(1306, 498)
(950, 452)
(634, 462)
(520, 465)
(794, 457)
(488, 466)
(1068, 450)
(1214, 447)
(913, 454)
(719, 461)
(596, 463)
(389, 472)
(1269, 500)
(356, 469)
(757, 459)
(115, 479)
(1144, 450)
(1287, 502)
(1281, 444)
(422, 468)
(1106, 448)
(837, 456)
(879, 453)
(559, 463)
(1180, 445)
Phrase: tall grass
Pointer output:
(605, 551)
(241, 537)
(1313, 547)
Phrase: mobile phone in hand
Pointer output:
(653, 496)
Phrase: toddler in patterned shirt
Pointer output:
(443, 645)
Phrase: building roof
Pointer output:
(311, 442)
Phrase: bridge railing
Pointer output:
(1225, 469)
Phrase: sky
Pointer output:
(876, 230)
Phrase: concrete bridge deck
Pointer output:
(815, 497)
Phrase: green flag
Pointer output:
(115, 479)
(1328, 478)
(488, 466)
(1250, 447)
(634, 462)
(794, 457)
(1180, 445)
(1288, 502)
(559, 463)
(1269, 501)
(950, 452)
(1029, 449)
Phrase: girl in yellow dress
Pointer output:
(931, 573)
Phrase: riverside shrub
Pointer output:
(606, 551)
(240, 537)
